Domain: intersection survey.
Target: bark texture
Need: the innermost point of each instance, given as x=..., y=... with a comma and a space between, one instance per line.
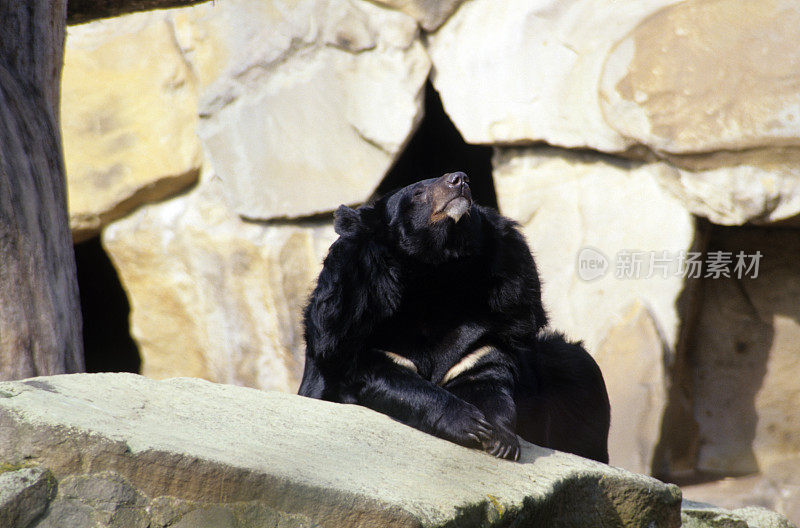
x=40, y=321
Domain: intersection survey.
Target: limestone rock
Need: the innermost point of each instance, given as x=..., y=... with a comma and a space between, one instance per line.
x=732, y=188
x=633, y=360
x=681, y=77
x=746, y=338
x=215, y=297
x=703, y=76
x=104, y=499
x=24, y=495
x=310, y=114
x=763, y=518
x=700, y=515
x=129, y=114
x=778, y=489
x=340, y=465
x=521, y=71
x=579, y=210
x=429, y=13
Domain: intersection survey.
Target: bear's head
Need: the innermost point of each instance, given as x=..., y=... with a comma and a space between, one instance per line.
x=432, y=220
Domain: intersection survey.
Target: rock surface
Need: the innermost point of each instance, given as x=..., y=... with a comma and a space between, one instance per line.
x=577, y=208
x=779, y=491
x=311, y=114
x=748, y=332
x=24, y=495
x=429, y=13
x=633, y=358
x=214, y=297
x=700, y=515
x=546, y=88
x=703, y=76
x=129, y=116
x=691, y=78
x=760, y=186
x=648, y=59
x=107, y=500
x=338, y=465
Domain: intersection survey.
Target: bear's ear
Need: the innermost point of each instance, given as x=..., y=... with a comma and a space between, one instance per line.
x=347, y=222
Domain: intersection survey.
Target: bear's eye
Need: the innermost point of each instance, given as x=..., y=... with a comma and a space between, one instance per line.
x=418, y=193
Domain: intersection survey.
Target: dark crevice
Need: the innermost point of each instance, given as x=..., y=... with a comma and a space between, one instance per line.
x=107, y=342
x=675, y=455
x=80, y=11
x=437, y=148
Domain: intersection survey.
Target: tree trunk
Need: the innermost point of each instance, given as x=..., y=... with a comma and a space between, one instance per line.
x=40, y=322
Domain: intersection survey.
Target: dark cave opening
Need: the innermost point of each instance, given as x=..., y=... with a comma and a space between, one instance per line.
x=436, y=148
x=107, y=342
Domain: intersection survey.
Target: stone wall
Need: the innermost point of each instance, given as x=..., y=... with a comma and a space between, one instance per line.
x=208, y=145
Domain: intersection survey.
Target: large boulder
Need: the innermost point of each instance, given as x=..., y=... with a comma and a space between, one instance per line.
x=310, y=114
x=679, y=77
x=295, y=120
x=759, y=186
x=529, y=71
x=24, y=495
x=692, y=82
x=129, y=118
x=704, y=76
x=338, y=465
x=213, y=296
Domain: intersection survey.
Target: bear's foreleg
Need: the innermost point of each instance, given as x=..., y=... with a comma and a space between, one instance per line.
x=392, y=386
x=486, y=378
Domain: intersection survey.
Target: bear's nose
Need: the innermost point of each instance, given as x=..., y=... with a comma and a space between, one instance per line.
x=455, y=179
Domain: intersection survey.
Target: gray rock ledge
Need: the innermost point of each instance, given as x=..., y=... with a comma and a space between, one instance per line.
x=336, y=465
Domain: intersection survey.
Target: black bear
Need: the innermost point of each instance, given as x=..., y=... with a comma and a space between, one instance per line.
x=428, y=309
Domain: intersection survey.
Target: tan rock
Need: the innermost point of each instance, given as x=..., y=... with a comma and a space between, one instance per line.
x=521, y=71
x=129, y=114
x=681, y=77
x=429, y=13
x=214, y=297
x=758, y=186
x=579, y=209
x=744, y=353
x=633, y=360
x=702, y=76
x=310, y=114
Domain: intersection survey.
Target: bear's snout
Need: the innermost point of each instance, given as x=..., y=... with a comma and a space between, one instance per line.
x=453, y=185
x=451, y=197
x=456, y=179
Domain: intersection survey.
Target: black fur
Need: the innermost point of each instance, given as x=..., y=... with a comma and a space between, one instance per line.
x=411, y=276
